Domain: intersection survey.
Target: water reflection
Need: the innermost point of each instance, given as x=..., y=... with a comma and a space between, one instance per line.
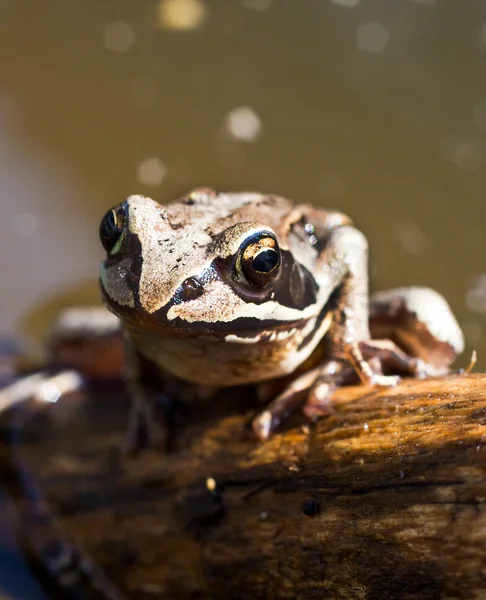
x=118, y=36
x=372, y=37
x=151, y=172
x=180, y=14
x=243, y=124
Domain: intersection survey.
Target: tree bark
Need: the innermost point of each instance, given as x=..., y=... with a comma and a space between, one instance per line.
x=383, y=498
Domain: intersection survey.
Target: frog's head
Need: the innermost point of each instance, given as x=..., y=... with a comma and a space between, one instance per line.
x=209, y=264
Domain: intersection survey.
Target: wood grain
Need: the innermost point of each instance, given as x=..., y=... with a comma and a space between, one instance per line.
x=383, y=498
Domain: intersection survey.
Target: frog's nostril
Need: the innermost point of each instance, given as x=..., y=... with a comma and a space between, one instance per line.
x=191, y=289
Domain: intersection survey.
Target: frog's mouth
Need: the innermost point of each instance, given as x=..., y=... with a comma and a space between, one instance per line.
x=302, y=332
x=241, y=330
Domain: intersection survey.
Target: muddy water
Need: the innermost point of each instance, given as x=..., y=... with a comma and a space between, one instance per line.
x=375, y=108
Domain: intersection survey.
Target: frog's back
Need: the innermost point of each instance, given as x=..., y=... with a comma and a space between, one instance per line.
x=214, y=212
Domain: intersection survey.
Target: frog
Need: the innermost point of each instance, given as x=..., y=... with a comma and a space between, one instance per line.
x=220, y=289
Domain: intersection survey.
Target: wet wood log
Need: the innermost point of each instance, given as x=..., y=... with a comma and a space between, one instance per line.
x=383, y=498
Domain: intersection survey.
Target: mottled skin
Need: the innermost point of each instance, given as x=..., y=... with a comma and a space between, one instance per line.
x=183, y=279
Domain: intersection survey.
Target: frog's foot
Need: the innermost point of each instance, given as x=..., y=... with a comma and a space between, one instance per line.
x=371, y=358
x=313, y=387
x=366, y=362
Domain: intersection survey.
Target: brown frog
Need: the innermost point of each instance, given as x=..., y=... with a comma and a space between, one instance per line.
x=222, y=289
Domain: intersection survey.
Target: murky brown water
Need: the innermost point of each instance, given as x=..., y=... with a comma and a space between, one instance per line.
x=377, y=108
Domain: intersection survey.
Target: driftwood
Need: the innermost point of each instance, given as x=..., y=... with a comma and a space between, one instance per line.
x=383, y=498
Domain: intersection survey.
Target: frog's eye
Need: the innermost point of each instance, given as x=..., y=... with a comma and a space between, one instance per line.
x=259, y=259
x=112, y=229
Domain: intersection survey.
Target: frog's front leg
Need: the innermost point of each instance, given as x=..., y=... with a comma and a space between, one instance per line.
x=313, y=388
x=145, y=429
x=411, y=339
x=342, y=276
x=414, y=332
x=343, y=280
x=158, y=403
x=345, y=268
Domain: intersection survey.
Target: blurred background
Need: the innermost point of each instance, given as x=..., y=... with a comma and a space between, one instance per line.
x=377, y=108
x=373, y=107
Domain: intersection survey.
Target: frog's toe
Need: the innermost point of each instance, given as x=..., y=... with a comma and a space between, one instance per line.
x=319, y=400
x=379, y=380
x=263, y=425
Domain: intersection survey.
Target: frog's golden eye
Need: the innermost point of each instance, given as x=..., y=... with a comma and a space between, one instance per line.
x=112, y=229
x=259, y=259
